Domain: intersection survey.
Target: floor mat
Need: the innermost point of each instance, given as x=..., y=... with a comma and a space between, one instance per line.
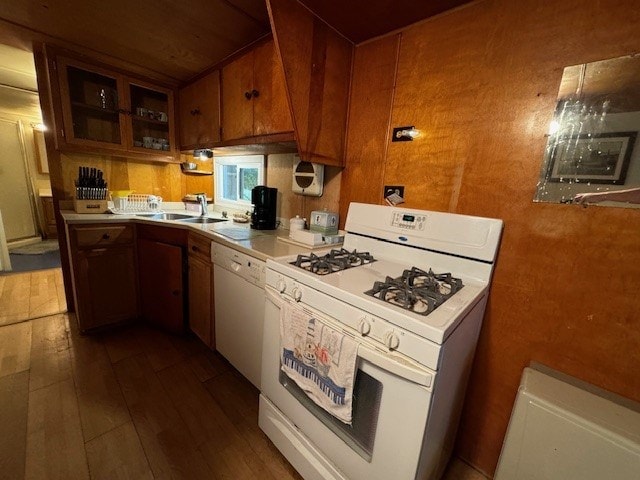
x=39, y=248
x=28, y=263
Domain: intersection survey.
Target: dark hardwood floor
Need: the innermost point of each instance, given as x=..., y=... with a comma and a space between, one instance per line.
x=133, y=403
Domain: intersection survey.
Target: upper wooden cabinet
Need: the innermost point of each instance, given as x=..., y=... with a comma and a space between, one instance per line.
x=104, y=111
x=254, y=99
x=317, y=70
x=199, y=112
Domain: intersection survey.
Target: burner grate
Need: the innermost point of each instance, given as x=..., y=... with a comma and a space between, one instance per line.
x=334, y=261
x=417, y=290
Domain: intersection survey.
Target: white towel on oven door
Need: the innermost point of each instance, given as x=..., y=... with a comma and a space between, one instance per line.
x=319, y=359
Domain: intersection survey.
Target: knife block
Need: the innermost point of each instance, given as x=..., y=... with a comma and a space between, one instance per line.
x=90, y=206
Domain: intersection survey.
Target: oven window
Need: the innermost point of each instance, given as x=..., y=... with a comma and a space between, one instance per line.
x=360, y=436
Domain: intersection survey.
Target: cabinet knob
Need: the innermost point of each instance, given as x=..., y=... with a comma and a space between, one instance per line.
x=255, y=93
x=194, y=248
x=248, y=95
x=195, y=111
x=106, y=236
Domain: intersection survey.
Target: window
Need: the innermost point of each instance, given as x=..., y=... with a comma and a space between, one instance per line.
x=235, y=177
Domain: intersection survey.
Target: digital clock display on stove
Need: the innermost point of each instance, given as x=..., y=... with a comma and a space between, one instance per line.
x=409, y=221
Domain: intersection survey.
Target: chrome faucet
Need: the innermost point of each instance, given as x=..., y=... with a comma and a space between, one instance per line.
x=202, y=198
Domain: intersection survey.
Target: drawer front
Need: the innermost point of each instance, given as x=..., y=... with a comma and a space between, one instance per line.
x=200, y=246
x=96, y=236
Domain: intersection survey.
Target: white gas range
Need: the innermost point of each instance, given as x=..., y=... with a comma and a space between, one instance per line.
x=410, y=287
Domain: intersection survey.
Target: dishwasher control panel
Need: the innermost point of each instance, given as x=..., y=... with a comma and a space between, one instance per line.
x=243, y=265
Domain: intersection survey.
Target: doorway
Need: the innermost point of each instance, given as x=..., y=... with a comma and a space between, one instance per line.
x=23, y=167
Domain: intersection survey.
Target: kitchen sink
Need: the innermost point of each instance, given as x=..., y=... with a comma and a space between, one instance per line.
x=202, y=220
x=166, y=216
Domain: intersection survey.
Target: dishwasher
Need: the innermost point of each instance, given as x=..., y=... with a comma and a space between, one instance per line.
x=238, y=286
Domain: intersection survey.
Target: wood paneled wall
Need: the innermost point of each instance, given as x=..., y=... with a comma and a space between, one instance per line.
x=167, y=180
x=481, y=84
x=371, y=100
x=280, y=176
x=164, y=179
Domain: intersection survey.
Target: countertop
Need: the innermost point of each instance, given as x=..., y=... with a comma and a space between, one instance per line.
x=260, y=244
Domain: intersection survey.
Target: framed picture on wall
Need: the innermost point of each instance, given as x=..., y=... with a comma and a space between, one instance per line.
x=593, y=158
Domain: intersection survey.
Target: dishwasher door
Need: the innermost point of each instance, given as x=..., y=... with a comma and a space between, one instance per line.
x=239, y=310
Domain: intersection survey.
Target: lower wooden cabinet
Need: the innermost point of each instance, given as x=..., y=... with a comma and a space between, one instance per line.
x=201, y=316
x=103, y=260
x=162, y=289
x=119, y=275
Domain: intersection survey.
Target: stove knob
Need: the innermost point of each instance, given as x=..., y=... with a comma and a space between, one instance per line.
x=391, y=340
x=281, y=286
x=297, y=294
x=364, y=327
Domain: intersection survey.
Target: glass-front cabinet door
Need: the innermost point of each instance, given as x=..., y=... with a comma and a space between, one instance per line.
x=91, y=107
x=151, y=115
x=110, y=111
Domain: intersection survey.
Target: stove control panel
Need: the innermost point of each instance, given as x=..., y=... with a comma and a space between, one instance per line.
x=361, y=324
x=391, y=340
x=409, y=221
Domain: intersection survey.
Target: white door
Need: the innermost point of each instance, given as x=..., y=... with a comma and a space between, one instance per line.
x=15, y=192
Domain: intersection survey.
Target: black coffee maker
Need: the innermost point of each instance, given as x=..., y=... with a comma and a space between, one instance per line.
x=264, y=207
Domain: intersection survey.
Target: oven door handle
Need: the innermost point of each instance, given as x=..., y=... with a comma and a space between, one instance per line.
x=397, y=365
x=392, y=363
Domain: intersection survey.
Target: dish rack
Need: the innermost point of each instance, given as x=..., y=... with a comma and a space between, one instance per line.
x=136, y=203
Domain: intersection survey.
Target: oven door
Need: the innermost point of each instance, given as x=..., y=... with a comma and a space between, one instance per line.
x=391, y=404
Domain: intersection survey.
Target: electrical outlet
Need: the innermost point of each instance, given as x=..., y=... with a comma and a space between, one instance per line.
x=394, y=194
x=391, y=189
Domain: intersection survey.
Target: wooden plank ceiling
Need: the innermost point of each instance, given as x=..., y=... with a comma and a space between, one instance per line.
x=176, y=40
x=360, y=20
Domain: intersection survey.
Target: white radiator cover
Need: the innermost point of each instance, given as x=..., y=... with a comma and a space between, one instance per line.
x=564, y=429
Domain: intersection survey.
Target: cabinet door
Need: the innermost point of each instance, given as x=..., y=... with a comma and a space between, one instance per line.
x=151, y=118
x=237, y=105
x=92, y=108
x=106, y=286
x=199, y=112
x=271, y=112
x=200, y=299
x=160, y=270
x=317, y=69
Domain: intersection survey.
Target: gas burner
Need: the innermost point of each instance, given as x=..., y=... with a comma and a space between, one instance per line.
x=416, y=290
x=334, y=261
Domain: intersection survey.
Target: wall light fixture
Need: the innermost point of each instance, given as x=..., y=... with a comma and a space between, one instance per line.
x=203, y=153
x=405, y=134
